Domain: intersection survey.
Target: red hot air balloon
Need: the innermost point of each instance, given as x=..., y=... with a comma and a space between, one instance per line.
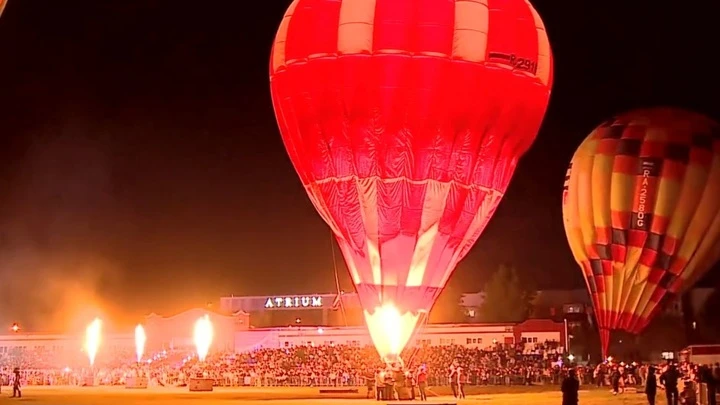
x=405, y=120
x=2, y=6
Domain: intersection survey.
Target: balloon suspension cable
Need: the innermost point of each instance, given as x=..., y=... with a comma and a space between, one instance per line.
x=421, y=326
x=337, y=278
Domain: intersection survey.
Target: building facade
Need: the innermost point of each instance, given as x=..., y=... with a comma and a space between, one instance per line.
x=232, y=334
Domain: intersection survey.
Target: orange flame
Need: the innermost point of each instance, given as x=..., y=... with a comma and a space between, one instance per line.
x=140, y=339
x=92, y=339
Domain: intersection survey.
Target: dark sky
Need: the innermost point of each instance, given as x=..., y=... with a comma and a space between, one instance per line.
x=141, y=168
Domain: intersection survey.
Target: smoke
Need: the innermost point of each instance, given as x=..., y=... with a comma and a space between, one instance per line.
x=57, y=231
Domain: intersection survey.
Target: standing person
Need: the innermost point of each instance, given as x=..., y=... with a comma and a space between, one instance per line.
x=389, y=385
x=570, y=387
x=615, y=381
x=462, y=380
x=370, y=384
x=16, y=384
x=651, y=385
x=410, y=382
x=422, y=383
x=380, y=385
x=453, y=380
x=710, y=378
x=669, y=379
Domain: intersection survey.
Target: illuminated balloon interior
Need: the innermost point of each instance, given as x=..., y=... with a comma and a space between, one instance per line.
x=203, y=336
x=390, y=331
x=140, y=339
x=93, y=337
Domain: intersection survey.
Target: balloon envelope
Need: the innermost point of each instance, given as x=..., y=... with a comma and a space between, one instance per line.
x=2, y=6
x=641, y=207
x=405, y=120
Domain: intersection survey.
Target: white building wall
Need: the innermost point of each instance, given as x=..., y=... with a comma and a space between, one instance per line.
x=436, y=335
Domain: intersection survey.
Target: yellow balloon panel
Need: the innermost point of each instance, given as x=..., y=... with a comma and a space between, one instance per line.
x=641, y=207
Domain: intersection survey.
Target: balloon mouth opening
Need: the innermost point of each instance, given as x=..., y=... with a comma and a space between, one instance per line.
x=390, y=330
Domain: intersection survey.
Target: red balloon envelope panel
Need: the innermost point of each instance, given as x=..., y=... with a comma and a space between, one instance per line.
x=2, y=6
x=405, y=120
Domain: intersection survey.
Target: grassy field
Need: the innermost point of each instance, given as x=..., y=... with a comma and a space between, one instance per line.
x=296, y=396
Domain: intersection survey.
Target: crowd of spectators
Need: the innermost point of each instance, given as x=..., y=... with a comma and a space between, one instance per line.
x=332, y=365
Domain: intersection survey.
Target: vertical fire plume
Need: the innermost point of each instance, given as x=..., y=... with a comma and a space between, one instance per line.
x=203, y=336
x=92, y=339
x=140, y=339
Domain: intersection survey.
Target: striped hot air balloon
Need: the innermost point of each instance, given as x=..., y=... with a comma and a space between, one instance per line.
x=641, y=207
x=405, y=120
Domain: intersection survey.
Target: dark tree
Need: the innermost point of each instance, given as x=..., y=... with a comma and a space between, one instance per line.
x=505, y=298
x=447, y=308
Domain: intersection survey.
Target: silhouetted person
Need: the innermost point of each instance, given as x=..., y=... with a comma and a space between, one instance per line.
x=453, y=380
x=711, y=382
x=570, y=387
x=615, y=380
x=669, y=379
x=651, y=385
x=16, y=384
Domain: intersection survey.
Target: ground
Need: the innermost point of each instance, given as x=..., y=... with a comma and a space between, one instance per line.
x=297, y=396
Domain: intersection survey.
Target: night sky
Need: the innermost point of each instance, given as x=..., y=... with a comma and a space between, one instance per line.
x=141, y=168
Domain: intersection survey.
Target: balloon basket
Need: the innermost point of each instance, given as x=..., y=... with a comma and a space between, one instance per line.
x=136, y=382
x=200, y=384
x=404, y=393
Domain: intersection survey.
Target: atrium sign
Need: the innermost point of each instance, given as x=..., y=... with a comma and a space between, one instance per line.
x=294, y=302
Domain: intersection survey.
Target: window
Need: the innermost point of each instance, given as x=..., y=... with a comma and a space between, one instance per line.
x=469, y=341
x=423, y=342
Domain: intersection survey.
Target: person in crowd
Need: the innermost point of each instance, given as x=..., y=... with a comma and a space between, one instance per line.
x=369, y=384
x=669, y=380
x=651, y=385
x=711, y=380
x=570, y=388
x=422, y=382
x=389, y=385
x=410, y=382
x=16, y=384
x=453, y=377
x=615, y=377
x=462, y=380
x=380, y=384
